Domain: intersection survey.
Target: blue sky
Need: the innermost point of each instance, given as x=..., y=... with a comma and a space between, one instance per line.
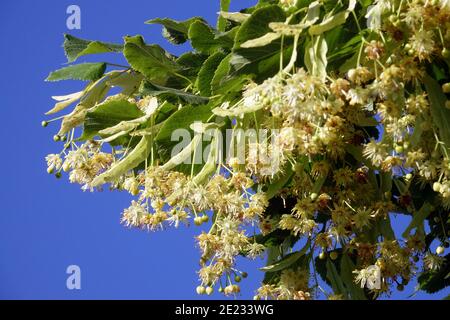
x=48, y=224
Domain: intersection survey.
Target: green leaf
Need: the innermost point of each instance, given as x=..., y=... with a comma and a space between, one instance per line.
x=259, y=62
x=174, y=31
x=183, y=118
x=385, y=182
x=131, y=161
x=225, y=83
x=418, y=218
x=152, y=89
x=439, y=113
x=108, y=114
x=385, y=228
x=83, y=71
x=363, y=121
x=203, y=38
x=226, y=39
x=417, y=133
x=332, y=22
x=347, y=276
x=257, y=25
x=348, y=48
x=287, y=261
x=321, y=268
x=150, y=60
x=221, y=73
x=221, y=21
x=164, y=111
x=336, y=282
x=191, y=62
x=319, y=183
x=275, y=186
x=206, y=73
x=349, y=63
x=355, y=151
x=401, y=186
x=75, y=47
x=434, y=281
x=329, y=23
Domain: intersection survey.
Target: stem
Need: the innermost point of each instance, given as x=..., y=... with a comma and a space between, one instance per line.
x=117, y=65
x=358, y=62
x=183, y=77
x=281, y=52
x=293, y=56
x=356, y=20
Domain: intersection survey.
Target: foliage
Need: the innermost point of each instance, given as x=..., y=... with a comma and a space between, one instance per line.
x=352, y=99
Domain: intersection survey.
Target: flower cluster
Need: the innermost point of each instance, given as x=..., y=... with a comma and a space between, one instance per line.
x=334, y=149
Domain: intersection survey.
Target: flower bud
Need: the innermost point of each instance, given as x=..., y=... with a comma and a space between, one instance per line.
x=445, y=53
x=333, y=255
x=66, y=166
x=209, y=290
x=447, y=104
x=436, y=186
x=399, y=149
x=200, y=290
x=446, y=87
x=198, y=221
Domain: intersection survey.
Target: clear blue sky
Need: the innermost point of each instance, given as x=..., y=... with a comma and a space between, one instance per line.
x=48, y=224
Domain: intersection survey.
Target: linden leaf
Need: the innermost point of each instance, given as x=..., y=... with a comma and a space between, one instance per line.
x=418, y=218
x=152, y=89
x=221, y=21
x=288, y=260
x=150, y=60
x=109, y=114
x=174, y=31
x=203, y=38
x=333, y=21
x=75, y=47
x=83, y=71
x=206, y=73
